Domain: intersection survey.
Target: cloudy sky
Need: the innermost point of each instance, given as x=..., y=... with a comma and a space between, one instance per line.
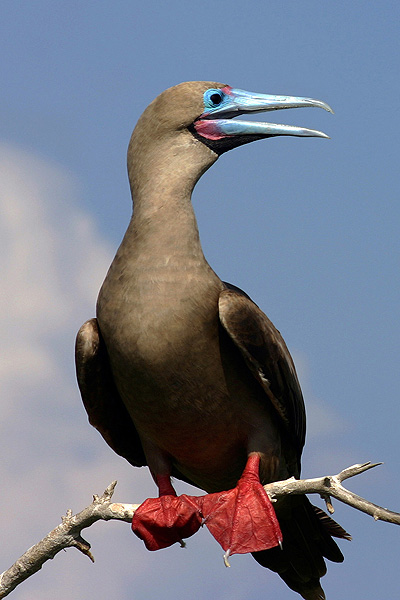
x=308, y=227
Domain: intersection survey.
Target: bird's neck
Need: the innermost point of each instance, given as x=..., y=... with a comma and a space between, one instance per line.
x=163, y=228
x=163, y=225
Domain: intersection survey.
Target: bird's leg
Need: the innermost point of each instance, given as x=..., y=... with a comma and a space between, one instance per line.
x=242, y=519
x=165, y=487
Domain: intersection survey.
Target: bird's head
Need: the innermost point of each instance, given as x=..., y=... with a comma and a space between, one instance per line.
x=200, y=111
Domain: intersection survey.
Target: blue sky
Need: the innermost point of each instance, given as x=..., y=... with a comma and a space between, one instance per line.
x=308, y=227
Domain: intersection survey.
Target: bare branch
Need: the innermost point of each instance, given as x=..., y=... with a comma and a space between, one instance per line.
x=65, y=535
x=331, y=485
x=68, y=533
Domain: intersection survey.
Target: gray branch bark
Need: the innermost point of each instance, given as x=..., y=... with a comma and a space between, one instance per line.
x=68, y=533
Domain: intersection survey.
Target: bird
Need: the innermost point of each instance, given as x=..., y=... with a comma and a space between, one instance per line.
x=183, y=372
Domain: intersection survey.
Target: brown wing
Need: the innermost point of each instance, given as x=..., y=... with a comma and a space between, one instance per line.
x=102, y=402
x=267, y=356
x=306, y=530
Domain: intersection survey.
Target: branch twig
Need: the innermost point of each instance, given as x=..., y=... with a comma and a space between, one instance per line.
x=68, y=533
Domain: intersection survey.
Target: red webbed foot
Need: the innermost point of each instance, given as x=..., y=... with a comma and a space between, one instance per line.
x=242, y=519
x=160, y=522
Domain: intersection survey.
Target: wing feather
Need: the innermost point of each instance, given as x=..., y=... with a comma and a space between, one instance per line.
x=103, y=404
x=267, y=356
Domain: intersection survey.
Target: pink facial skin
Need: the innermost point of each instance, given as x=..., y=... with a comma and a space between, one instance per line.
x=209, y=129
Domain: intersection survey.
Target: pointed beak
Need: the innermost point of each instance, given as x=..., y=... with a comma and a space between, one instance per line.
x=215, y=123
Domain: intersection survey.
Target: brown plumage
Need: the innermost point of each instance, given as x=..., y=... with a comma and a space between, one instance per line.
x=181, y=371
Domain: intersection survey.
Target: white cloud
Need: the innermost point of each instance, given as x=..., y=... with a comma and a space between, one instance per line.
x=47, y=243
x=52, y=263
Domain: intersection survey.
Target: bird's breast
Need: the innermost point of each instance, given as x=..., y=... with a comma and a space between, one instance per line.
x=161, y=330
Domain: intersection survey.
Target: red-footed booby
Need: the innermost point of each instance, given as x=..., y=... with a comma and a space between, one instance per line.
x=183, y=372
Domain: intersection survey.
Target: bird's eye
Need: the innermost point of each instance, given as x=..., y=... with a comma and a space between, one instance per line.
x=213, y=98
x=216, y=99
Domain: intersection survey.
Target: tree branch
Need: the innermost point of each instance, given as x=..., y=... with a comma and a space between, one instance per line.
x=331, y=485
x=68, y=533
x=65, y=535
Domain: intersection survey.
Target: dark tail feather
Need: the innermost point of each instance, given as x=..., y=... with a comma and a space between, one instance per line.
x=307, y=540
x=330, y=525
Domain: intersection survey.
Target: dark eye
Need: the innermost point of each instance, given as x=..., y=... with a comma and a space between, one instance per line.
x=213, y=98
x=216, y=99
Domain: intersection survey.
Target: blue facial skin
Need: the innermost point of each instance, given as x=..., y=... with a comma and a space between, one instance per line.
x=215, y=98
